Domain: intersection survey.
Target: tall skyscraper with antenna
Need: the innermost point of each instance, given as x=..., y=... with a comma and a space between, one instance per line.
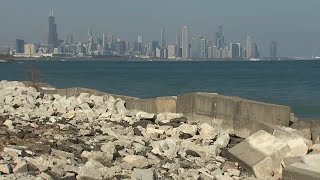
x=53, y=41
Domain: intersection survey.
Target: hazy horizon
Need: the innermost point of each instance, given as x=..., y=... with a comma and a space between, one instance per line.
x=292, y=23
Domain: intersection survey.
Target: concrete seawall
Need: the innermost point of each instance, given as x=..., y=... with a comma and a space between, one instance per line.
x=241, y=116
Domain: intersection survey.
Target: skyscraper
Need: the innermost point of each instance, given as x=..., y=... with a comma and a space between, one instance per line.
x=19, y=46
x=252, y=51
x=196, y=47
x=163, y=39
x=53, y=41
x=178, y=46
x=204, y=49
x=273, y=49
x=235, y=50
x=140, y=40
x=90, y=42
x=219, y=38
x=185, y=43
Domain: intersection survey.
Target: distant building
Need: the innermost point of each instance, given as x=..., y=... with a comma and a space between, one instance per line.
x=158, y=52
x=90, y=46
x=178, y=46
x=30, y=49
x=19, y=46
x=220, y=44
x=172, y=51
x=140, y=41
x=204, y=49
x=185, y=43
x=121, y=47
x=196, y=47
x=235, y=50
x=53, y=40
x=210, y=52
x=273, y=49
x=163, y=39
x=252, y=51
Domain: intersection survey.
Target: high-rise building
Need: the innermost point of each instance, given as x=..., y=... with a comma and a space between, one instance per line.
x=219, y=38
x=178, y=46
x=19, y=46
x=172, y=53
x=163, y=39
x=252, y=51
x=210, y=52
x=235, y=50
x=30, y=49
x=104, y=43
x=204, y=49
x=196, y=47
x=273, y=49
x=185, y=43
x=110, y=42
x=140, y=41
x=249, y=47
x=53, y=41
x=90, y=47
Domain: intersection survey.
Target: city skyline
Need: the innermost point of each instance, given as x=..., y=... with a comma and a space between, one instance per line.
x=266, y=21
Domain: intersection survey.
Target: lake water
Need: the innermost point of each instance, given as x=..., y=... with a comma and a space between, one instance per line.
x=292, y=83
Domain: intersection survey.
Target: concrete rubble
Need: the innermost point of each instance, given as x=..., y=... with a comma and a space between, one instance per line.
x=87, y=137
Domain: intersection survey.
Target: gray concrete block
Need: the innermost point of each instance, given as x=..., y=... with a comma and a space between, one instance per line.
x=261, y=154
x=306, y=168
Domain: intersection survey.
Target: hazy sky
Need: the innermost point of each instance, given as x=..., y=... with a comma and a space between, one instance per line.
x=293, y=23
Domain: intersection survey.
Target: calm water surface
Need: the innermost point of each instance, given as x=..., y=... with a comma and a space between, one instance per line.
x=292, y=83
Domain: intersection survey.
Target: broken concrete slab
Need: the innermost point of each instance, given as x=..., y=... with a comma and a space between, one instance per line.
x=307, y=168
x=261, y=154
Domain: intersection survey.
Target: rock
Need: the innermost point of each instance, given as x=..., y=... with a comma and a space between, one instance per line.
x=316, y=148
x=14, y=151
x=88, y=173
x=136, y=161
x=143, y=174
x=103, y=157
x=167, y=117
x=86, y=132
x=298, y=144
x=21, y=167
x=222, y=140
x=109, y=147
x=120, y=106
x=145, y=116
x=94, y=164
x=84, y=98
x=234, y=172
x=223, y=177
x=152, y=132
x=98, y=100
x=61, y=154
x=69, y=176
x=307, y=168
x=208, y=132
x=9, y=124
x=167, y=148
x=261, y=154
x=188, y=129
x=109, y=173
x=5, y=168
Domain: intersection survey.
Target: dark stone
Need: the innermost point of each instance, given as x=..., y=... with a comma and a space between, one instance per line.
x=143, y=123
x=192, y=153
x=137, y=132
x=185, y=136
